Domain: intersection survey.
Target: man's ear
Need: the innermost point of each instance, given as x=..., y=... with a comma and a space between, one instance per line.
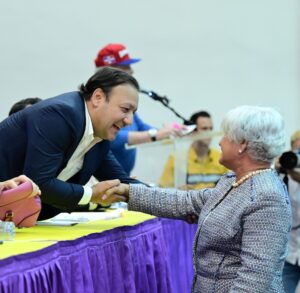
x=97, y=97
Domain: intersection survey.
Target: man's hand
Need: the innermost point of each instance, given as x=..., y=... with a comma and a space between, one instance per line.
x=100, y=188
x=170, y=130
x=115, y=194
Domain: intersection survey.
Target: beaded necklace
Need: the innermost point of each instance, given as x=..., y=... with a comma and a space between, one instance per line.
x=247, y=176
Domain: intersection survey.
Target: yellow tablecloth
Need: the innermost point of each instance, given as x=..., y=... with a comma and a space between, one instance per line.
x=38, y=237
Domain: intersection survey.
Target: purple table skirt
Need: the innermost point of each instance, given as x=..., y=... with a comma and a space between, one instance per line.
x=142, y=258
x=179, y=237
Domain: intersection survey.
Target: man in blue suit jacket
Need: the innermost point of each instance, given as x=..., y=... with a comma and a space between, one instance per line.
x=62, y=141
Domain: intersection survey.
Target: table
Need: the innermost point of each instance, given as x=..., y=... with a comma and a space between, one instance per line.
x=139, y=257
x=179, y=237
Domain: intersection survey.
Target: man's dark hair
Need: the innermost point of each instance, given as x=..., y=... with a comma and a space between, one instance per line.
x=196, y=115
x=106, y=79
x=23, y=104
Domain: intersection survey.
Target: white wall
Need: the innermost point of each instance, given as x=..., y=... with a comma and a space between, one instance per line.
x=210, y=55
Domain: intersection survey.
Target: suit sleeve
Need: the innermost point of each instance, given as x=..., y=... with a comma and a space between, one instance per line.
x=169, y=203
x=50, y=136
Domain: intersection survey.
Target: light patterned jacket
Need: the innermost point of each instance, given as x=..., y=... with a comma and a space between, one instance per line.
x=242, y=235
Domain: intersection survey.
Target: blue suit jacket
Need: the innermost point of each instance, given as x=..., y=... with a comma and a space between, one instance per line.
x=38, y=142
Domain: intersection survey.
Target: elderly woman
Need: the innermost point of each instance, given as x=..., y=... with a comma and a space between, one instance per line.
x=243, y=225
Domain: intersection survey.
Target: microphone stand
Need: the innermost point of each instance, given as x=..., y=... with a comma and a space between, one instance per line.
x=165, y=101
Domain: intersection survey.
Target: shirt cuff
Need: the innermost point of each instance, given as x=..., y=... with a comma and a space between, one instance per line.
x=87, y=195
x=92, y=206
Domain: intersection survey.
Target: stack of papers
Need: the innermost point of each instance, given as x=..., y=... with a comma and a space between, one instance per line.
x=66, y=219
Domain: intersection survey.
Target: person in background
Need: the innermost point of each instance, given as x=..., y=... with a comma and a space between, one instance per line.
x=22, y=104
x=291, y=270
x=203, y=167
x=61, y=142
x=244, y=222
x=116, y=55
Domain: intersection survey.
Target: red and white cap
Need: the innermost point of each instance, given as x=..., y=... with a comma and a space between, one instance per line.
x=114, y=54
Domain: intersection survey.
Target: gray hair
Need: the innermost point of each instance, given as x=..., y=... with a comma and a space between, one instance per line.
x=262, y=128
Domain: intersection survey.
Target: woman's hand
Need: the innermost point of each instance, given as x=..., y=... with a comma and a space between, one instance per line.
x=14, y=182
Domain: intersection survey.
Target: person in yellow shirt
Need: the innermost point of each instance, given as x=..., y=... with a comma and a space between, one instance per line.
x=203, y=169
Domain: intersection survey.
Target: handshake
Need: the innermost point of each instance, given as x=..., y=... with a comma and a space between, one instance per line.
x=109, y=191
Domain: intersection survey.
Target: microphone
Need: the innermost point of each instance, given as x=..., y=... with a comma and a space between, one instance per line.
x=165, y=101
x=155, y=96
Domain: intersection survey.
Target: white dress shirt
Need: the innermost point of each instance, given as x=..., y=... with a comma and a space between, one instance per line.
x=76, y=161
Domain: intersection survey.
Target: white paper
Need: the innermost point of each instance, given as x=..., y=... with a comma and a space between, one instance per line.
x=66, y=219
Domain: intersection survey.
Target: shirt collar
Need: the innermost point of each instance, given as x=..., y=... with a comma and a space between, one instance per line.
x=89, y=131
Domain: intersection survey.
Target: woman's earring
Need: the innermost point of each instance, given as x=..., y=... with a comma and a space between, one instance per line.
x=240, y=151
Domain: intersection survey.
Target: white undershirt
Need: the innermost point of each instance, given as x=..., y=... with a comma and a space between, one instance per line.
x=76, y=161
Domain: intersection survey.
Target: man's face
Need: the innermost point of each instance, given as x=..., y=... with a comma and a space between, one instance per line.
x=204, y=124
x=110, y=115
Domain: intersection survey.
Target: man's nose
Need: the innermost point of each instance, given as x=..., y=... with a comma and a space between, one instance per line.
x=128, y=119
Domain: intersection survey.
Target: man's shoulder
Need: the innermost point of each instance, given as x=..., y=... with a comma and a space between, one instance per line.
x=214, y=158
x=68, y=99
x=214, y=155
x=70, y=104
x=66, y=108
x=214, y=152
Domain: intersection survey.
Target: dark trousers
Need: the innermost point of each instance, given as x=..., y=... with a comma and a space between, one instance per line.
x=290, y=277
